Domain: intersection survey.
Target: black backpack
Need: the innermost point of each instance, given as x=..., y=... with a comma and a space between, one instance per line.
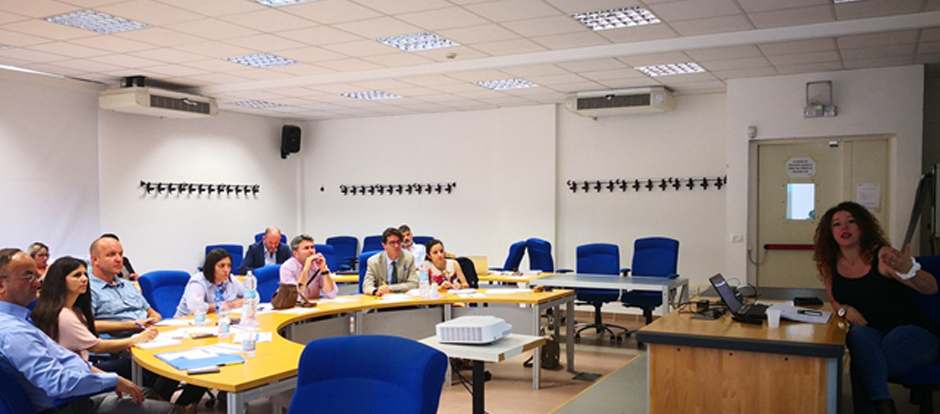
x=551, y=355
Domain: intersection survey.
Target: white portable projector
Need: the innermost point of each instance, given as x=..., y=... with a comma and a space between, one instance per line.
x=473, y=330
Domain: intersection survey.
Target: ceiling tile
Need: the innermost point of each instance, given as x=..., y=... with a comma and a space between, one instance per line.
x=478, y=34
x=877, y=39
x=215, y=49
x=928, y=48
x=88, y=66
x=362, y=48
x=332, y=11
x=270, y=20
x=311, y=54
x=932, y=5
x=349, y=65
x=792, y=17
x=752, y=6
x=614, y=74
x=403, y=6
x=320, y=35
x=876, y=8
x=575, y=6
x=19, y=39
x=440, y=19
x=682, y=79
x=536, y=70
x=430, y=80
x=930, y=35
x=800, y=46
x=70, y=50
x=729, y=64
x=586, y=86
x=215, y=7
x=378, y=27
x=125, y=61
x=42, y=28
x=265, y=43
x=168, y=55
x=32, y=55
x=37, y=8
x=563, y=79
x=213, y=29
x=217, y=79
x=260, y=74
x=509, y=47
x=638, y=33
x=570, y=40
x=546, y=26
x=722, y=53
x=160, y=36
x=176, y=70
x=803, y=58
x=216, y=65
x=457, y=53
x=878, y=62
x=509, y=10
x=809, y=68
x=713, y=25
x=927, y=58
x=475, y=76
x=878, y=52
x=656, y=59
x=694, y=9
x=745, y=73
x=398, y=59
x=381, y=85
x=150, y=12
x=10, y=17
x=302, y=69
x=593, y=65
x=700, y=87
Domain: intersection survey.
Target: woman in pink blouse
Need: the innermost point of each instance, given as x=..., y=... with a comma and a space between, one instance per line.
x=442, y=271
x=63, y=312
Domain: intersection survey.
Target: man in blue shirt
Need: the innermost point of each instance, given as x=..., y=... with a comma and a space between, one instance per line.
x=119, y=309
x=47, y=371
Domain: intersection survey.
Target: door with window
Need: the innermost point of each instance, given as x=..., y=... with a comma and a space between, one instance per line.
x=797, y=182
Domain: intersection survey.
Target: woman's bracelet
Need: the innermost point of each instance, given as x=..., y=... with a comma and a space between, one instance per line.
x=910, y=273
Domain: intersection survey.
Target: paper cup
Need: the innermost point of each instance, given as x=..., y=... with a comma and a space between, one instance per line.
x=773, y=318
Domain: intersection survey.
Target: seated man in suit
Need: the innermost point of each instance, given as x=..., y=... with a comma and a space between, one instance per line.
x=391, y=271
x=46, y=370
x=119, y=308
x=269, y=251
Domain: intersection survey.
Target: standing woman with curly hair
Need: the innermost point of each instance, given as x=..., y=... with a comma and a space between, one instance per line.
x=867, y=281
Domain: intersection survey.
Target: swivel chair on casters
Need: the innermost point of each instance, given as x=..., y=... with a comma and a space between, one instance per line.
x=600, y=259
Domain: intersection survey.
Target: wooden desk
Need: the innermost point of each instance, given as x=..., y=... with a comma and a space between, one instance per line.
x=274, y=369
x=722, y=366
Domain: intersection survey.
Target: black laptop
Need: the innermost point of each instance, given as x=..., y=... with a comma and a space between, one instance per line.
x=734, y=305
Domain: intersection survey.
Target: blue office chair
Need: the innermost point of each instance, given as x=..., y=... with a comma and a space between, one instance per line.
x=422, y=240
x=363, y=265
x=540, y=255
x=163, y=290
x=599, y=259
x=235, y=250
x=329, y=254
x=923, y=381
x=269, y=278
x=14, y=400
x=652, y=256
x=469, y=271
x=410, y=379
x=260, y=235
x=516, y=251
x=370, y=243
x=346, y=248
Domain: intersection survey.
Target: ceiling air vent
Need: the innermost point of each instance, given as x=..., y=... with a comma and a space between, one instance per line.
x=622, y=102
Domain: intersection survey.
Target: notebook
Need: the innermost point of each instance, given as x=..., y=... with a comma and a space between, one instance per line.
x=734, y=305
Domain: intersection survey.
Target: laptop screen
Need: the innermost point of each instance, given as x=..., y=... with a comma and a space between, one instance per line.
x=727, y=294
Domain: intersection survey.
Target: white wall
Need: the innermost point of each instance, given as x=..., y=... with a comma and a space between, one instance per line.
x=171, y=231
x=48, y=161
x=687, y=142
x=503, y=162
x=885, y=101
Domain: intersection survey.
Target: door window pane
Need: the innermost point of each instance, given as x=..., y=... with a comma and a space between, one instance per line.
x=801, y=201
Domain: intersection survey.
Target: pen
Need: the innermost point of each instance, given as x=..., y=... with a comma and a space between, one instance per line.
x=140, y=326
x=809, y=312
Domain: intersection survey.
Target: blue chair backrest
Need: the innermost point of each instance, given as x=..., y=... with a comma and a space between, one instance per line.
x=235, y=250
x=13, y=398
x=540, y=255
x=364, y=265
x=655, y=256
x=410, y=381
x=516, y=251
x=930, y=303
x=345, y=247
x=422, y=240
x=598, y=258
x=269, y=278
x=163, y=290
x=329, y=254
x=260, y=235
x=370, y=243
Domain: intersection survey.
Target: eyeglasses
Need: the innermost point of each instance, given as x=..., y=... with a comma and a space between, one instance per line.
x=29, y=277
x=393, y=242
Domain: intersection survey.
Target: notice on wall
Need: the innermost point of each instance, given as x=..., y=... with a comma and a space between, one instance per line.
x=869, y=195
x=801, y=167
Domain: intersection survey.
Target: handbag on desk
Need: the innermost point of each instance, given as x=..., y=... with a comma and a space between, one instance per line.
x=286, y=298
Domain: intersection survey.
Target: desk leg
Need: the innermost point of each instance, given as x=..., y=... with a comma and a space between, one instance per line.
x=667, y=303
x=569, y=334
x=137, y=373
x=236, y=403
x=478, y=384
x=357, y=323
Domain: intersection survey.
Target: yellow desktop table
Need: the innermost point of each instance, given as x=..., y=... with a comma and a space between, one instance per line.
x=723, y=366
x=274, y=369
x=522, y=279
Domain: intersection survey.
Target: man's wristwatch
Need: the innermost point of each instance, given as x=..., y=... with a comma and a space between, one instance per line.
x=842, y=310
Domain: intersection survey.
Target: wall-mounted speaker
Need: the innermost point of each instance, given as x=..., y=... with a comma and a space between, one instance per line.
x=290, y=140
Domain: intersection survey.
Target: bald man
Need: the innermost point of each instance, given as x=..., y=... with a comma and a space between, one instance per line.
x=269, y=251
x=44, y=369
x=119, y=309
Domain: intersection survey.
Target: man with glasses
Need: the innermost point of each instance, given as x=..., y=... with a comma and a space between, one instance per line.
x=44, y=369
x=119, y=309
x=393, y=271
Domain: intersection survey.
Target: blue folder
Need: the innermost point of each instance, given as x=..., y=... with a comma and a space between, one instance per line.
x=217, y=361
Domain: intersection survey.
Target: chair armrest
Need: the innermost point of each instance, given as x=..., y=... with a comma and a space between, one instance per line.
x=673, y=276
x=564, y=271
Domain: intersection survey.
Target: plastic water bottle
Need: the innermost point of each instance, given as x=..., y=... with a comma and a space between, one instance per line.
x=249, y=344
x=250, y=306
x=225, y=324
x=424, y=285
x=199, y=313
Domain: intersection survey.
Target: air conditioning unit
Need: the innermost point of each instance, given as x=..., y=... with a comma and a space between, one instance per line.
x=622, y=102
x=157, y=102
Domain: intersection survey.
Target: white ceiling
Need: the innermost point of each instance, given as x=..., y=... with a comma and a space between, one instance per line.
x=535, y=40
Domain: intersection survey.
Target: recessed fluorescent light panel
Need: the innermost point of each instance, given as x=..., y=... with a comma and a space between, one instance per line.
x=256, y=104
x=370, y=95
x=504, y=84
x=261, y=60
x=616, y=18
x=96, y=22
x=279, y=3
x=671, y=69
x=417, y=42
